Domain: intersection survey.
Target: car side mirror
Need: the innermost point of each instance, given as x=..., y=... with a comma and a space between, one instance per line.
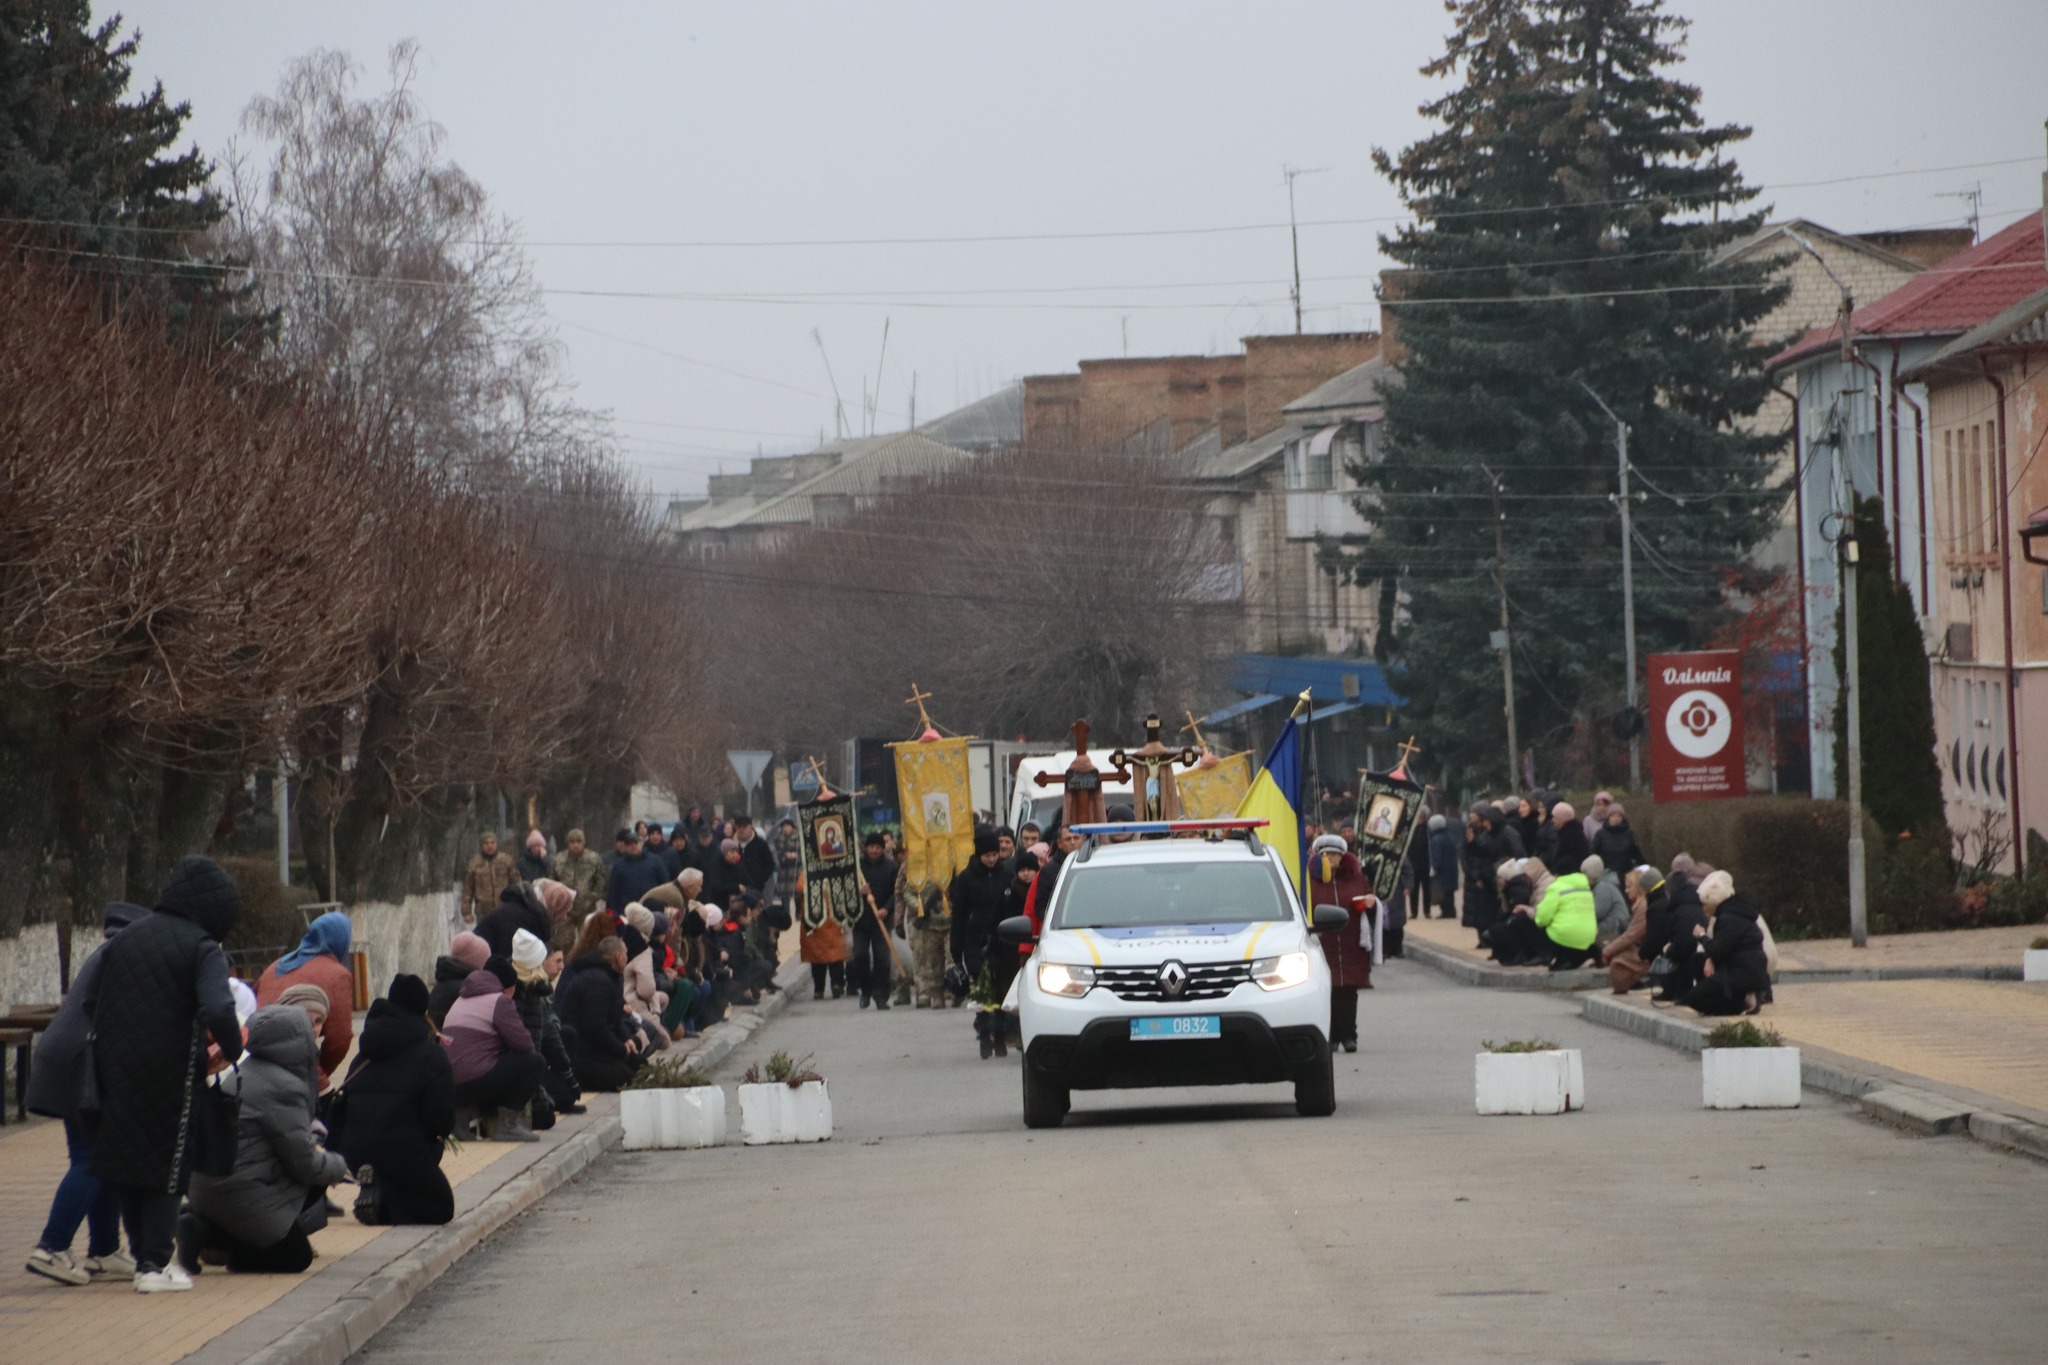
x=1328, y=919
x=1017, y=930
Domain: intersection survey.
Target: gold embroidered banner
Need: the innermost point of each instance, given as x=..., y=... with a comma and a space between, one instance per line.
x=937, y=806
x=1214, y=793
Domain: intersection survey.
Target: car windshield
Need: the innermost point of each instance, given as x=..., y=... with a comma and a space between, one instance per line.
x=1169, y=893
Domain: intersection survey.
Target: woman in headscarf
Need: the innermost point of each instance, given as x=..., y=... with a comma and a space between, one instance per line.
x=1735, y=971
x=1335, y=878
x=644, y=999
x=321, y=959
x=1649, y=912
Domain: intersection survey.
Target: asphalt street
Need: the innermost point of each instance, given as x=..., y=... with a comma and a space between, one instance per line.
x=1214, y=1225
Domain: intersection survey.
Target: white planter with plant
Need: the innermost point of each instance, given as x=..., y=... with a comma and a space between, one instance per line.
x=1529, y=1077
x=784, y=1101
x=670, y=1104
x=1745, y=1067
x=2034, y=961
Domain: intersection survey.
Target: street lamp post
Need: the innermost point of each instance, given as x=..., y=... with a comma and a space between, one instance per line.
x=1628, y=586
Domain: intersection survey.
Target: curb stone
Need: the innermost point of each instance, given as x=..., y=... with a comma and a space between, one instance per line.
x=1474, y=971
x=1917, y=1111
x=336, y=1332
x=1879, y=1096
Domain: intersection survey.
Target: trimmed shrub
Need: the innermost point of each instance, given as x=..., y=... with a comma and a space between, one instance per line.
x=272, y=917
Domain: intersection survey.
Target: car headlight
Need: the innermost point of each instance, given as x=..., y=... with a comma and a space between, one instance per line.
x=1057, y=978
x=1278, y=973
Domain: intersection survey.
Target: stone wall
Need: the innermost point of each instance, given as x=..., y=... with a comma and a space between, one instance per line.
x=405, y=937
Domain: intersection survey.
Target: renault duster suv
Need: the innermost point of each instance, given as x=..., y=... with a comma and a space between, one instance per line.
x=1174, y=962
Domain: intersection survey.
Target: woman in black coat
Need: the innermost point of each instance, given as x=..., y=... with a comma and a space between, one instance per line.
x=398, y=1111
x=592, y=1006
x=1615, y=842
x=1735, y=972
x=162, y=989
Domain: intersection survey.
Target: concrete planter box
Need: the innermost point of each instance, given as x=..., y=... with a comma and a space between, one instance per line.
x=775, y=1112
x=1749, y=1077
x=684, y=1117
x=1530, y=1082
x=2034, y=965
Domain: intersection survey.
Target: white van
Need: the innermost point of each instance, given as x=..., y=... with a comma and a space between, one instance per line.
x=1040, y=801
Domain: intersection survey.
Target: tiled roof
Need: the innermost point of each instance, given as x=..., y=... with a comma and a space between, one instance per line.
x=2023, y=324
x=1950, y=299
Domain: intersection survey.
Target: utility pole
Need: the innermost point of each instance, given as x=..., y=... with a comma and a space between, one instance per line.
x=1628, y=587
x=1294, y=234
x=1852, y=664
x=1502, y=641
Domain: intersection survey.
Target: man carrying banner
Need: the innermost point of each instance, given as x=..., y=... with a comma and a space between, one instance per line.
x=870, y=968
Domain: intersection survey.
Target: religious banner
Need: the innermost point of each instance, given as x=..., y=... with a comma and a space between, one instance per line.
x=938, y=807
x=1389, y=804
x=1696, y=742
x=1214, y=791
x=831, y=864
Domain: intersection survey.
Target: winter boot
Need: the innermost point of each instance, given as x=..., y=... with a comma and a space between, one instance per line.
x=465, y=1123
x=369, y=1209
x=512, y=1127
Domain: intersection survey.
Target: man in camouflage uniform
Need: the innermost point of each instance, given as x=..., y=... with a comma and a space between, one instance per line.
x=490, y=872
x=931, y=935
x=580, y=869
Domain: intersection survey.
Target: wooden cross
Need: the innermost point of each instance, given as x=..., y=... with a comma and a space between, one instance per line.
x=825, y=792
x=1408, y=749
x=918, y=699
x=1194, y=727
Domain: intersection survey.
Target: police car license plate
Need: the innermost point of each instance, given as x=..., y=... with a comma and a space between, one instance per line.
x=1177, y=1026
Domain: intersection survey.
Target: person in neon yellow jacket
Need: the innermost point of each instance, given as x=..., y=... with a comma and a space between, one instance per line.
x=1558, y=931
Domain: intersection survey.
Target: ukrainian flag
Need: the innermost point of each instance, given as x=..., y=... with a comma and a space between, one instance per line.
x=1275, y=797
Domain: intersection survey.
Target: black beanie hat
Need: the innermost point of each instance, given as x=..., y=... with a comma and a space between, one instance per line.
x=499, y=967
x=984, y=840
x=408, y=993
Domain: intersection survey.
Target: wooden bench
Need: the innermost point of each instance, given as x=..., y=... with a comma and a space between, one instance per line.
x=21, y=1036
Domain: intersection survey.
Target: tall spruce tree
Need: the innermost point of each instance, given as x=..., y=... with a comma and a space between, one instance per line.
x=1901, y=772
x=90, y=176
x=1567, y=215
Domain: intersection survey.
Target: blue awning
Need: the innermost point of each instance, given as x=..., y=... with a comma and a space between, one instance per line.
x=1329, y=682
x=1238, y=708
x=1325, y=712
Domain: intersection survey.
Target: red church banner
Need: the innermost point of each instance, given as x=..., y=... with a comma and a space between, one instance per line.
x=1695, y=719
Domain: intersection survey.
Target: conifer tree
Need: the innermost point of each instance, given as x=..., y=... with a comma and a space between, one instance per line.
x=1901, y=773
x=90, y=175
x=1568, y=210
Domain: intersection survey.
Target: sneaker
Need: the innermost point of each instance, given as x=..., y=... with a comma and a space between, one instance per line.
x=58, y=1266
x=115, y=1264
x=172, y=1280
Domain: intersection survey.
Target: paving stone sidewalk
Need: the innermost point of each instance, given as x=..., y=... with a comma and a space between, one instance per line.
x=1988, y=1038
x=227, y=1318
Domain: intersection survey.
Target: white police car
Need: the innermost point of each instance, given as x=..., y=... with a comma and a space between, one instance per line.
x=1174, y=962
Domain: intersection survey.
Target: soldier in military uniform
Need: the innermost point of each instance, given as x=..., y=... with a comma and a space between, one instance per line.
x=931, y=935
x=580, y=869
x=489, y=872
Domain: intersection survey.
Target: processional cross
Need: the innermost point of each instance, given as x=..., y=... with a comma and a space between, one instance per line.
x=1153, y=761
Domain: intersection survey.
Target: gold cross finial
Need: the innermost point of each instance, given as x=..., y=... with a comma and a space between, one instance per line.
x=1194, y=727
x=825, y=791
x=1408, y=749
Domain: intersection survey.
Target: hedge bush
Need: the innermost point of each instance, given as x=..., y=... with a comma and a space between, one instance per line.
x=271, y=916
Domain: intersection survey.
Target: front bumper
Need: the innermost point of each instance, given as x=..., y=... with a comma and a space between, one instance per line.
x=1103, y=1057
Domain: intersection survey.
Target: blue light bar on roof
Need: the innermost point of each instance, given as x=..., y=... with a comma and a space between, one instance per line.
x=1165, y=826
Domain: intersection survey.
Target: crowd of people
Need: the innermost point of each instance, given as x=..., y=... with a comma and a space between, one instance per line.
x=1542, y=885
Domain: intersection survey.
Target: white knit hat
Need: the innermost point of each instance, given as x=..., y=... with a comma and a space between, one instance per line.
x=528, y=951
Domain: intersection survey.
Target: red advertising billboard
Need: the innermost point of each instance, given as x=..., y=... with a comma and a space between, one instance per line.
x=1695, y=718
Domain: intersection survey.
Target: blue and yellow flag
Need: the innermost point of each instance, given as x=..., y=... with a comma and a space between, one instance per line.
x=1275, y=797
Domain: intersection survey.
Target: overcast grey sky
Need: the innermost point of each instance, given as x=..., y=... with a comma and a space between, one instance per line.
x=597, y=124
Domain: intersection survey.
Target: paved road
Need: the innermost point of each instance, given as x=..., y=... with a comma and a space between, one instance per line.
x=934, y=1227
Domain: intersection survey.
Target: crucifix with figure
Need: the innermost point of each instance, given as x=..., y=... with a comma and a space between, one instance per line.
x=1152, y=790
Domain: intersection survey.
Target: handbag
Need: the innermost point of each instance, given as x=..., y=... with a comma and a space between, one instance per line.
x=216, y=1115
x=1660, y=967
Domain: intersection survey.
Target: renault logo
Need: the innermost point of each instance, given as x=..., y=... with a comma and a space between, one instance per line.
x=1173, y=979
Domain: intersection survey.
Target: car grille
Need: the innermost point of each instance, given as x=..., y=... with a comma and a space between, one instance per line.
x=1206, y=981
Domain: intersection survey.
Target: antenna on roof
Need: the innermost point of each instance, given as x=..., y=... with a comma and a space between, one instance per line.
x=875, y=403
x=1975, y=197
x=838, y=407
